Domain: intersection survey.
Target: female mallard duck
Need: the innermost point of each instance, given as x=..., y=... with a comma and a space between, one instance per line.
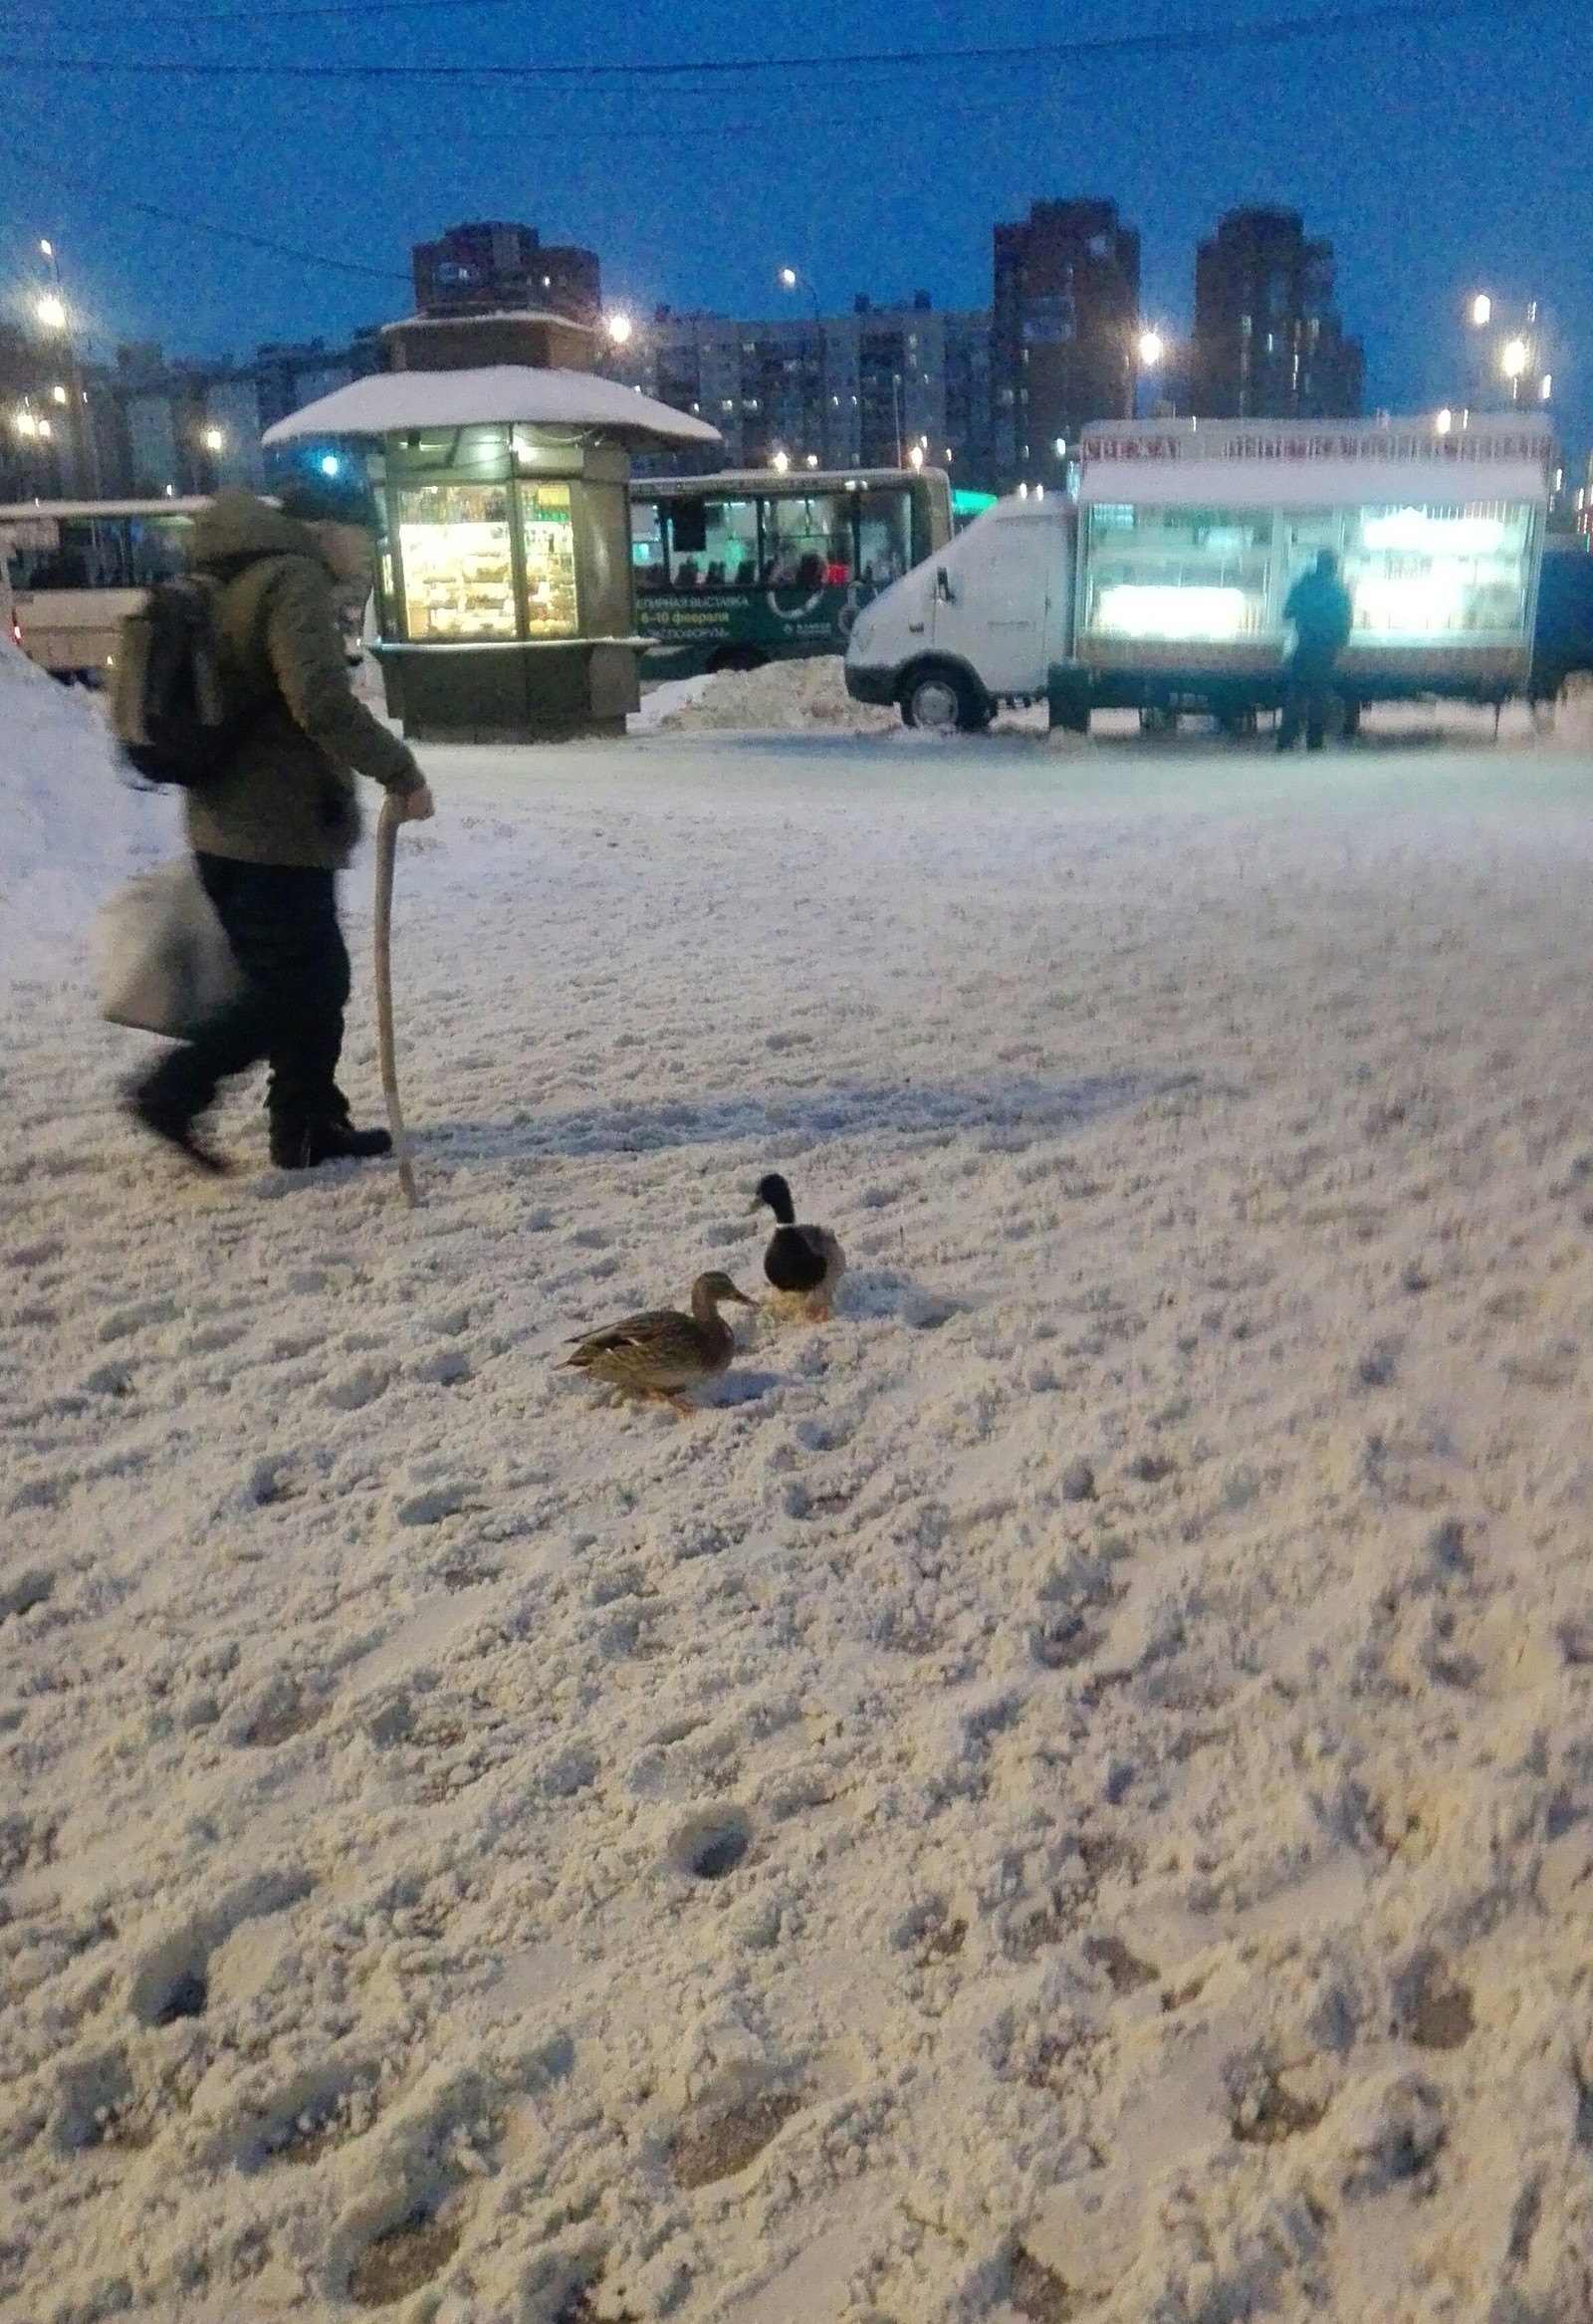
x=803, y=1264
x=661, y=1352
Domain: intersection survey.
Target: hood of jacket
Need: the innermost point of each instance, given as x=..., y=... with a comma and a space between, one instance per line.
x=238, y=525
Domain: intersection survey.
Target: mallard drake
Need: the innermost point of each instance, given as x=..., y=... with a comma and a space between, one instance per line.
x=661, y=1352
x=802, y=1263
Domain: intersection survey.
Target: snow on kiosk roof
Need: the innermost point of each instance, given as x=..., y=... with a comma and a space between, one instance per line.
x=497, y=394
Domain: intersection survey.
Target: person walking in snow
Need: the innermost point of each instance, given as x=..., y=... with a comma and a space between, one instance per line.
x=271, y=832
x=1319, y=607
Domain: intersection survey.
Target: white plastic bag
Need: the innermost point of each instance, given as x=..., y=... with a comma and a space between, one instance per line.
x=164, y=960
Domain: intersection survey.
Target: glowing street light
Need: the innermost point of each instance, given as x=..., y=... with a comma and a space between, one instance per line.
x=57, y=394
x=788, y=278
x=215, y=440
x=1513, y=359
x=52, y=311
x=915, y=458
x=1482, y=311
x=780, y=463
x=25, y=423
x=1547, y=389
x=1152, y=347
x=620, y=329
x=1445, y=421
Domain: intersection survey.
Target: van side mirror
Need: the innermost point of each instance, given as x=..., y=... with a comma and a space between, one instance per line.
x=944, y=592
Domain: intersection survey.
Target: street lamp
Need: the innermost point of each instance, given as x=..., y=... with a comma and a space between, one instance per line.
x=620, y=329
x=790, y=279
x=54, y=314
x=215, y=440
x=1513, y=358
x=780, y=463
x=1152, y=347
x=1482, y=311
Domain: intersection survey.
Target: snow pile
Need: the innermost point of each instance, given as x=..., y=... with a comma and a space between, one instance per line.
x=1066, y=1793
x=662, y=701
x=71, y=827
x=786, y=697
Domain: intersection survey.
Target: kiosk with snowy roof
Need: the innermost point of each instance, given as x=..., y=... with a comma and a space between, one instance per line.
x=505, y=603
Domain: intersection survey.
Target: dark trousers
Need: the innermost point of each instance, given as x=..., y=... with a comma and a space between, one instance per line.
x=1307, y=702
x=282, y=923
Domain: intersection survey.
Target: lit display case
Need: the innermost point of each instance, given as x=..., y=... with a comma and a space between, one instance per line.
x=456, y=550
x=548, y=546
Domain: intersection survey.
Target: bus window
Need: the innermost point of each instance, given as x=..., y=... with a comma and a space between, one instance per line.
x=159, y=547
x=713, y=544
x=885, y=538
x=73, y=552
x=647, y=546
x=807, y=541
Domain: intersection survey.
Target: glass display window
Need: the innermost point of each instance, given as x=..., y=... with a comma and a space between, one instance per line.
x=548, y=545
x=458, y=565
x=1178, y=574
x=806, y=538
x=713, y=544
x=647, y=557
x=884, y=537
x=1457, y=572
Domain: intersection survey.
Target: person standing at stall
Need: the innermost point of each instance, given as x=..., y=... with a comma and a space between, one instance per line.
x=1320, y=609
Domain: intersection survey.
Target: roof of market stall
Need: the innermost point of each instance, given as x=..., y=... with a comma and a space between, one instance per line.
x=495, y=394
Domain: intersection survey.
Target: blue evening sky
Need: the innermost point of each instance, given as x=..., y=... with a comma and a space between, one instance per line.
x=1436, y=156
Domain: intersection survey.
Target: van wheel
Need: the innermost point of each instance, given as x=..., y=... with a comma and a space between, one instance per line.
x=944, y=702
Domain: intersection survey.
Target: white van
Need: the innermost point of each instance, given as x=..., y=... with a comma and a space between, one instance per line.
x=979, y=624
x=1164, y=586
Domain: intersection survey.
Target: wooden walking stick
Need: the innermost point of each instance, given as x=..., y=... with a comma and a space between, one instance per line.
x=387, y=857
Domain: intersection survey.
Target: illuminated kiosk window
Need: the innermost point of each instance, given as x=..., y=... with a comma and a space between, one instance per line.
x=1179, y=575
x=458, y=563
x=547, y=543
x=1418, y=574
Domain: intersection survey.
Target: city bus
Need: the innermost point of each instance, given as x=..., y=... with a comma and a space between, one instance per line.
x=749, y=567
x=73, y=570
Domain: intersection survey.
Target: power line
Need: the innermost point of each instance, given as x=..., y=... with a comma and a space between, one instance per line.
x=1212, y=38
x=203, y=227
x=264, y=18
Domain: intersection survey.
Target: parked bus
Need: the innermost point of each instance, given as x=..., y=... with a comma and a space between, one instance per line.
x=74, y=569
x=747, y=567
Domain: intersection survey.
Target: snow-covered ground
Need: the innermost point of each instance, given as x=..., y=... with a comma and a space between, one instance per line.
x=1066, y=1793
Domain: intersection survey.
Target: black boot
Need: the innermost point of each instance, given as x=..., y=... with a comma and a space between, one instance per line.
x=303, y=1145
x=161, y=1110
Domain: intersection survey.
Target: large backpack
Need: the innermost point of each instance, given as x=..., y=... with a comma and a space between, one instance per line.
x=172, y=716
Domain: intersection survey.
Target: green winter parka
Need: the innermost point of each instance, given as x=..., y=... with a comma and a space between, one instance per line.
x=287, y=793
